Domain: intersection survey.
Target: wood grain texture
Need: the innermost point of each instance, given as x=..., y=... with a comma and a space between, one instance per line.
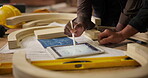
x=45, y=18
x=38, y=16
x=15, y=37
x=141, y=37
x=45, y=22
x=3, y=41
x=23, y=69
x=50, y=33
x=93, y=34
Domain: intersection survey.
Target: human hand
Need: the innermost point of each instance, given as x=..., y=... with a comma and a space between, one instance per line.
x=109, y=36
x=79, y=28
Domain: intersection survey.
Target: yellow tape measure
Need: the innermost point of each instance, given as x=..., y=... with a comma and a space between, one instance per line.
x=77, y=63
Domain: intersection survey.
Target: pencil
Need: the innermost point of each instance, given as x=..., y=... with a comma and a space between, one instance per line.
x=73, y=37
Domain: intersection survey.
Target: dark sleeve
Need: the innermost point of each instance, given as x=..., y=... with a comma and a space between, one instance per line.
x=140, y=21
x=84, y=10
x=131, y=9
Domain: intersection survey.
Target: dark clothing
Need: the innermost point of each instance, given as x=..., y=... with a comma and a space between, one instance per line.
x=140, y=21
x=84, y=12
x=131, y=9
x=108, y=11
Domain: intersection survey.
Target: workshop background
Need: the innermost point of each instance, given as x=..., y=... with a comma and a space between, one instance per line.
x=40, y=6
x=64, y=6
x=51, y=5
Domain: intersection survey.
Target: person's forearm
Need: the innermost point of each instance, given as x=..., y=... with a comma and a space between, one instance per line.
x=131, y=9
x=84, y=10
x=140, y=21
x=128, y=31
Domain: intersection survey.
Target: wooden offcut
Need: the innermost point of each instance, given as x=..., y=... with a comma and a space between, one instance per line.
x=93, y=34
x=15, y=37
x=141, y=36
x=50, y=33
x=38, y=16
x=45, y=22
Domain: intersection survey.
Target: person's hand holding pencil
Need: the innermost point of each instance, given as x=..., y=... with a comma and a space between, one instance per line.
x=78, y=28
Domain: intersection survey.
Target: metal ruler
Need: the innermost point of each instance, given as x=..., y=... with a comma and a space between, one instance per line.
x=77, y=63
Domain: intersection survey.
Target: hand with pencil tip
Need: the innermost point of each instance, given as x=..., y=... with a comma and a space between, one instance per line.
x=78, y=28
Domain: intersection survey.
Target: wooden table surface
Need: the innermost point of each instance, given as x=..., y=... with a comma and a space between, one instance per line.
x=8, y=58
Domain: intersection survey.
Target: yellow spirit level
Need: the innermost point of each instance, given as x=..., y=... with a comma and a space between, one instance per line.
x=77, y=63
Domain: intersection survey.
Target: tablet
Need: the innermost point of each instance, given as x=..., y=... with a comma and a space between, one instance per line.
x=69, y=51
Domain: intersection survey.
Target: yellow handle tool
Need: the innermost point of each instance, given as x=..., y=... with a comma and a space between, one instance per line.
x=77, y=63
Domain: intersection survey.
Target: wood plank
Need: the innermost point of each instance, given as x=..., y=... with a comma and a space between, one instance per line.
x=15, y=37
x=93, y=34
x=50, y=33
x=141, y=37
x=38, y=16
x=3, y=41
x=45, y=22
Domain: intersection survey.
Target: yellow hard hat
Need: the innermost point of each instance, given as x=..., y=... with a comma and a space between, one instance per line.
x=7, y=11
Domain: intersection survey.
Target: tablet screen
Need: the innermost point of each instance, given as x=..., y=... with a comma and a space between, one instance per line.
x=77, y=50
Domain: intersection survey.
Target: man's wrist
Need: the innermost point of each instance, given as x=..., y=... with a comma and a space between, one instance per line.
x=128, y=31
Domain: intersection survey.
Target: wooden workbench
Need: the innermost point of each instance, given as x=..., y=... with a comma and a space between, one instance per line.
x=8, y=58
